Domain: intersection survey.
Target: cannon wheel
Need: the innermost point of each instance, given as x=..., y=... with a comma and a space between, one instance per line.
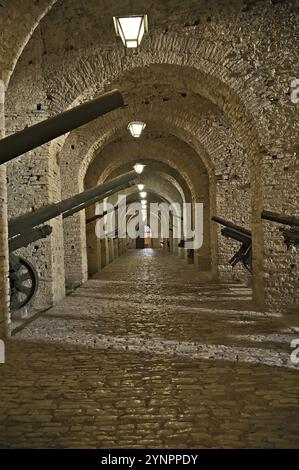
x=23, y=282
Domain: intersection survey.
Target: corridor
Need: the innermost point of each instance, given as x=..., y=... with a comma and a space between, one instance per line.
x=146, y=355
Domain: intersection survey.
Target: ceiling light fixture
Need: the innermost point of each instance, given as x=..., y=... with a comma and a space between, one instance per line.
x=131, y=29
x=138, y=167
x=136, y=128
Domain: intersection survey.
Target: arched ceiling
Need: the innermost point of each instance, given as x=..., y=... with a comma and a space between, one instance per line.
x=168, y=97
x=133, y=196
x=62, y=28
x=158, y=187
x=153, y=167
x=207, y=100
x=27, y=16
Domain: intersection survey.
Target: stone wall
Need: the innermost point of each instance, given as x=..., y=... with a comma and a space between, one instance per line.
x=4, y=292
x=17, y=22
x=34, y=178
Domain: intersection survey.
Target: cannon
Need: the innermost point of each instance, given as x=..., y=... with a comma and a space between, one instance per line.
x=115, y=234
x=22, y=231
x=291, y=236
x=90, y=202
x=100, y=216
x=242, y=235
x=28, y=228
x=45, y=131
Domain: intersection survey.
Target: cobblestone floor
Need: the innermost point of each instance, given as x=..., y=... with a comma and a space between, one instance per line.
x=145, y=355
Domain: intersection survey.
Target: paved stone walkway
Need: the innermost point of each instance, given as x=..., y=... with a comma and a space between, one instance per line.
x=145, y=355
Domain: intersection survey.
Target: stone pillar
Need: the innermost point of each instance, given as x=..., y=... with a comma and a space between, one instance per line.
x=4, y=284
x=201, y=261
x=175, y=248
x=111, y=249
x=93, y=252
x=202, y=256
x=107, y=251
x=281, y=266
x=93, y=243
x=99, y=252
x=165, y=244
x=75, y=250
x=171, y=244
x=115, y=242
x=33, y=179
x=103, y=252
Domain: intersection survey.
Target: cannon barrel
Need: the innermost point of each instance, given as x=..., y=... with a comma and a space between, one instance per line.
x=113, y=234
x=236, y=235
x=26, y=222
x=280, y=219
x=34, y=235
x=31, y=137
x=292, y=235
x=116, y=234
x=100, y=216
x=228, y=224
x=70, y=212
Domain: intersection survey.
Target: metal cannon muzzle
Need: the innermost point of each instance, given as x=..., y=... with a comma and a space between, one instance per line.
x=45, y=131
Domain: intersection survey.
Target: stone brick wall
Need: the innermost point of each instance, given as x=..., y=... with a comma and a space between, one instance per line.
x=18, y=19
x=34, y=178
x=17, y=22
x=4, y=292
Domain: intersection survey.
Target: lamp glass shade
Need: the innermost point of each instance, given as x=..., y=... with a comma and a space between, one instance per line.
x=136, y=128
x=131, y=29
x=139, y=168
